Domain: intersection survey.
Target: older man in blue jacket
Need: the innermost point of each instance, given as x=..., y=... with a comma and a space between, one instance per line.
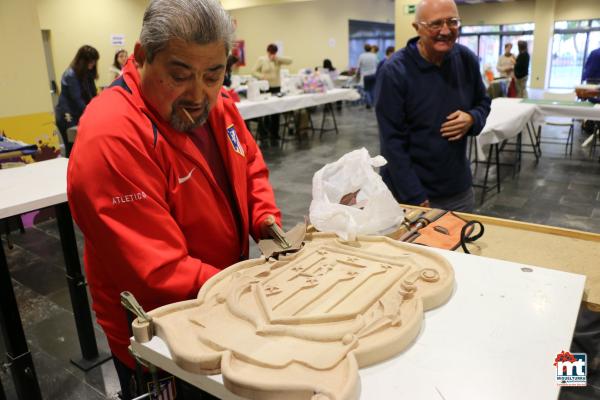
x=430, y=95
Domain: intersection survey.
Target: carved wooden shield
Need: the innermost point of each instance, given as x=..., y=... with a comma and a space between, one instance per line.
x=300, y=327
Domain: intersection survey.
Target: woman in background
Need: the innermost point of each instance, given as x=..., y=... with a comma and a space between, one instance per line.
x=77, y=89
x=268, y=68
x=118, y=63
x=330, y=69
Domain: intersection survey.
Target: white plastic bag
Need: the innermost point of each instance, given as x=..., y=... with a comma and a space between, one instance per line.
x=376, y=211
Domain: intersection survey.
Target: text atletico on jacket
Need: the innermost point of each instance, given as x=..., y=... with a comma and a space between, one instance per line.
x=150, y=208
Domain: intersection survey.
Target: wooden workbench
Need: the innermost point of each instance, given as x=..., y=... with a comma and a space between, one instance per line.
x=545, y=246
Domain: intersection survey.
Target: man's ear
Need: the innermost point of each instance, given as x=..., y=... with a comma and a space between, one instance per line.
x=416, y=26
x=139, y=54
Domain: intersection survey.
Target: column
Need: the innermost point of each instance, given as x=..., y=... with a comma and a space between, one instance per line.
x=542, y=44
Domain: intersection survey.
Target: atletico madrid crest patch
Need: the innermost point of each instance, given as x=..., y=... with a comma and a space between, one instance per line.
x=235, y=141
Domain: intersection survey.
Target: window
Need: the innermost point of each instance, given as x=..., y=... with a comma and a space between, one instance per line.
x=518, y=27
x=489, y=49
x=573, y=42
x=472, y=42
x=480, y=28
x=374, y=33
x=487, y=41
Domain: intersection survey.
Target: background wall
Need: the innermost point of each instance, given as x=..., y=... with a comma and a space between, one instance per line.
x=309, y=31
x=25, y=105
x=73, y=23
x=577, y=9
x=23, y=81
x=515, y=12
x=233, y=4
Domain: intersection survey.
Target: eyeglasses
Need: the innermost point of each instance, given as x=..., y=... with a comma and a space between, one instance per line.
x=438, y=24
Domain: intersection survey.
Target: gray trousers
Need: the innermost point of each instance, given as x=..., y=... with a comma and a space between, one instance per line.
x=521, y=86
x=464, y=202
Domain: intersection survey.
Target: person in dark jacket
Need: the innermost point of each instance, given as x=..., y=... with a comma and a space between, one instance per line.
x=231, y=61
x=77, y=89
x=591, y=75
x=522, y=69
x=388, y=53
x=591, y=70
x=430, y=95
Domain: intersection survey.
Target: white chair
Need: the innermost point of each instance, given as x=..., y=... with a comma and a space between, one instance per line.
x=564, y=122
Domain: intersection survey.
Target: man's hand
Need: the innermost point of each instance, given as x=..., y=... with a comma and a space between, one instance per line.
x=424, y=204
x=270, y=230
x=457, y=125
x=266, y=226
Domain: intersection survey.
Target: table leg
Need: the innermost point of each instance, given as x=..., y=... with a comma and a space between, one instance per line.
x=17, y=353
x=2, y=394
x=334, y=120
x=519, y=152
x=497, y=169
x=487, y=171
x=78, y=293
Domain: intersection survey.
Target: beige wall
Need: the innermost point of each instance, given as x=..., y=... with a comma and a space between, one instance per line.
x=309, y=31
x=577, y=9
x=520, y=11
x=235, y=4
x=73, y=23
x=404, y=29
x=23, y=81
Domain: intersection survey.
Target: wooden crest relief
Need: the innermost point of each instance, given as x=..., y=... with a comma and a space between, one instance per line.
x=302, y=326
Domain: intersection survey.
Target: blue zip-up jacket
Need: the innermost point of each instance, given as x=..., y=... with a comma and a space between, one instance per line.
x=74, y=96
x=413, y=99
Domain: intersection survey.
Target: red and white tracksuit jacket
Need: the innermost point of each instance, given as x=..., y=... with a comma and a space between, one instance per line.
x=154, y=219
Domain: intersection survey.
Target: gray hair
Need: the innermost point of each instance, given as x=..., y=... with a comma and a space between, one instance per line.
x=194, y=21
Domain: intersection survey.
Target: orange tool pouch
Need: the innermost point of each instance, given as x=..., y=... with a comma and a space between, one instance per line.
x=449, y=232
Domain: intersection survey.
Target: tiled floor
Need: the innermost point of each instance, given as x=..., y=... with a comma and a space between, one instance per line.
x=558, y=191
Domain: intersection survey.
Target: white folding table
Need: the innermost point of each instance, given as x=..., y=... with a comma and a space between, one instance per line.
x=582, y=110
x=276, y=105
x=508, y=117
x=24, y=189
x=496, y=338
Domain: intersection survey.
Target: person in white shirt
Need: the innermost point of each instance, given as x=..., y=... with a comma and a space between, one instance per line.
x=506, y=62
x=367, y=66
x=268, y=67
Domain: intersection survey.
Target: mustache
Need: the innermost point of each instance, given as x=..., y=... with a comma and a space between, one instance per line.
x=190, y=105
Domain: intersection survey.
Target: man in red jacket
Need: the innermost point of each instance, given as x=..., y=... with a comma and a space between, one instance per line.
x=165, y=181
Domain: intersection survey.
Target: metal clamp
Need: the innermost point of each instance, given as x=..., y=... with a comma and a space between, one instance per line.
x=130, y=303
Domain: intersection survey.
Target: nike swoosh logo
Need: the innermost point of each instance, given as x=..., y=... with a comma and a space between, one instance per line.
x=185, y=178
